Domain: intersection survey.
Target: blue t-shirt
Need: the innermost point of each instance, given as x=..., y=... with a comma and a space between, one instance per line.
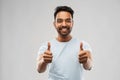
x=65, y=64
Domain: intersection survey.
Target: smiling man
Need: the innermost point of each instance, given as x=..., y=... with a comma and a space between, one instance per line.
x=65, y=56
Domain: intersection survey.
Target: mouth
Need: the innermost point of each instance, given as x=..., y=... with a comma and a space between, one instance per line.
x=64, y=29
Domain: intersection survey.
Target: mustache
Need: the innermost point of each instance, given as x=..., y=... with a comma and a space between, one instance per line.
x=60, y=28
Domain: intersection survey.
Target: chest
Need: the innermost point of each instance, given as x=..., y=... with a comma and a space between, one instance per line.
x=65, y=54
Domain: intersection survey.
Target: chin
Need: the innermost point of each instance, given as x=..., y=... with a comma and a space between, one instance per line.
x=64, y=35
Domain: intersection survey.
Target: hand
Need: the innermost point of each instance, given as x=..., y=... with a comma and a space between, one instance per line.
x=84, y=55
x=47, y=56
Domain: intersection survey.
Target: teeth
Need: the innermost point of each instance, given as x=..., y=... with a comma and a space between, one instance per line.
x=64, y=29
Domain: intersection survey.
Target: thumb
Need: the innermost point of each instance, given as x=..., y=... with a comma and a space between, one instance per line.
x=49, y=46
x=81, y=46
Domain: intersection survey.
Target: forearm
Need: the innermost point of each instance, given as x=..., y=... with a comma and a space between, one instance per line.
x=41, y=66
x=88, y=65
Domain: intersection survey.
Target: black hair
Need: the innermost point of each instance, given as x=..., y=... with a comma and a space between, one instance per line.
x=63, y=8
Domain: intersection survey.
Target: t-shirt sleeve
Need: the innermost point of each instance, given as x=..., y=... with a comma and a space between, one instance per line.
x=42, y=49
x=86, y=46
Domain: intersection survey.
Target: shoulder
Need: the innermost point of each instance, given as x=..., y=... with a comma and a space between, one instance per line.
x=86, y=45
x=44, y=46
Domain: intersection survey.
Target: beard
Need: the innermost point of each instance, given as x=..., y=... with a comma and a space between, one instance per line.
x=64, y=31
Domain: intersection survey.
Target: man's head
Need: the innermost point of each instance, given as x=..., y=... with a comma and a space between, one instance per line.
x=63, y=8
x=63, y=20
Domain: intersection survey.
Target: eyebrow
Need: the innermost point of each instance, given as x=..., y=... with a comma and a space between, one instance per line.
x=63, y=19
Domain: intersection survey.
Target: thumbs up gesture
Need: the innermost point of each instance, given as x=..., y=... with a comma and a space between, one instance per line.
x=84, y=55
x=47, y=56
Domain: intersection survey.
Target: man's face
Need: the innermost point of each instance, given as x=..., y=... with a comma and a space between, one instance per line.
x=63, y=23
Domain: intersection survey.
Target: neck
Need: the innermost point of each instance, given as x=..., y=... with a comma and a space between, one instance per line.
x=64, y=39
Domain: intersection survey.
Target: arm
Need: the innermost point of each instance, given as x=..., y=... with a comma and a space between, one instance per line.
x=85, y=58
x=88, y=64
x=41, y=65
x=44, y=59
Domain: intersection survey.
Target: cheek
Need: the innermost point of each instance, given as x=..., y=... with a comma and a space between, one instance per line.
x=57, y=26
x=71, y=24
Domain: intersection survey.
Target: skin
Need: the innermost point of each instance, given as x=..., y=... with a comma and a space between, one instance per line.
x=63, y=24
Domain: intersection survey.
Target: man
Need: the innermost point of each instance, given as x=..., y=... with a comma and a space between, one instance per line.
x=65, y=56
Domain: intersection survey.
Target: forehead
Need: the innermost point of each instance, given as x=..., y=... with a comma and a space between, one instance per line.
x=63, y=15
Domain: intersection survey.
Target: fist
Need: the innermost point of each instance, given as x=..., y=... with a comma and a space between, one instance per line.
x=47, y=56
x=83, y=55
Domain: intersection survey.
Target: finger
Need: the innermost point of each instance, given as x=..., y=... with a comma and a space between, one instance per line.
x=83, y=60
x=49, y=46
x=47, y=52
x=81, y=46
x=84, y=57
x=48, y=60
x=47, y=56
x=82, y=54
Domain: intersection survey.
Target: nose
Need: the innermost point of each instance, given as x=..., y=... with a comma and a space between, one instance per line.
x=63, y=23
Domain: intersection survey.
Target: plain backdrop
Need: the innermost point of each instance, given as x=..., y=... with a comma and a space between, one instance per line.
x=25, y=24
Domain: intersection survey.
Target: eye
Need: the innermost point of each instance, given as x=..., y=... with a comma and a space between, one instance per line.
x=59, y=20
x=68, y=20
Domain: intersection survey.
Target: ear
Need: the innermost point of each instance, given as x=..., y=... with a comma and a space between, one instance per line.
x=54, y=24
x=72, y=23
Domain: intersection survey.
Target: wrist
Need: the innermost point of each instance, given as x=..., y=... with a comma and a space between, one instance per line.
x=88, y=64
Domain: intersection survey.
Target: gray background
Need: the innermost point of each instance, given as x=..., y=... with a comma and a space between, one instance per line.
x=24, y=24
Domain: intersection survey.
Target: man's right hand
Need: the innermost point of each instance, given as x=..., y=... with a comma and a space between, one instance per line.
x=44, y=59
x=47, y=55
